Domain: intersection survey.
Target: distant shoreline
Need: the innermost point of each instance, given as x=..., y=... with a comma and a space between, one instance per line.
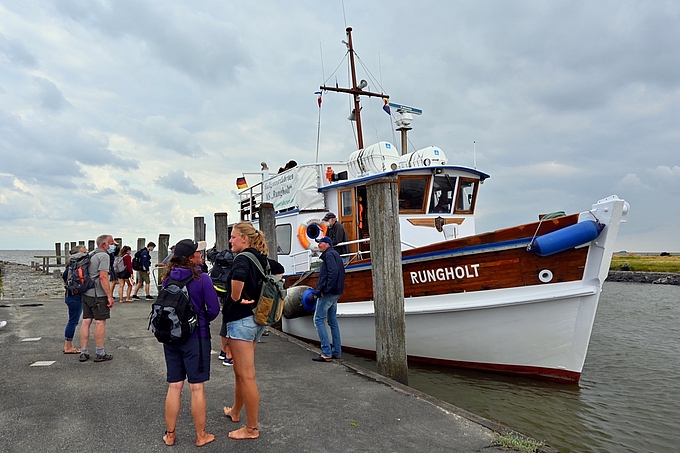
x=659, y=278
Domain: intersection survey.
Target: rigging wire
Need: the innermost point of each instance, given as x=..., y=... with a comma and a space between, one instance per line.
x=318, y=123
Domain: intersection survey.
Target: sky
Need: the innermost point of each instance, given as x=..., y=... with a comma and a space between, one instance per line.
x=132, y=117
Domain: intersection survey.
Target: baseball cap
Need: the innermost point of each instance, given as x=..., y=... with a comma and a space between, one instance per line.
x=187, y=247
x=326, y=239
x=328, y=216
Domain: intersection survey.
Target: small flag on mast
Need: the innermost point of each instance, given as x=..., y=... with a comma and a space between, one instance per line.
x=318, y=100
x=241, y=183
x=386, y=107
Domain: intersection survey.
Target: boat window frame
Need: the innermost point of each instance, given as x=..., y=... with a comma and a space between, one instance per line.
x=461, y=181
x=426, y=193
x=453, y=185
x=280, y=250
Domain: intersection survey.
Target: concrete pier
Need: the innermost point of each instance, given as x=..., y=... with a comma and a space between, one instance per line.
x=118, y=406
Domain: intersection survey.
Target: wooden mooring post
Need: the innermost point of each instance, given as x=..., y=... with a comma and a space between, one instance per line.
x=163, y=246
x=388, y=282
x=221, y=231
x=268, y=227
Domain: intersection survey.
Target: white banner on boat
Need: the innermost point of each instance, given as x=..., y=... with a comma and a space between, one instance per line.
x=294, y=188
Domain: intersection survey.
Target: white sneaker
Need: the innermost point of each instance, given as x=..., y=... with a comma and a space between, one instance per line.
x=3, y=324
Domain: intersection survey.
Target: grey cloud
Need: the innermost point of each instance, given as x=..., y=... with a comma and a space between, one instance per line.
x=47, y=152
x=192, y=43
x=15, y=52
x=159, y=131
x=51, y=98
x=138, y=195
x=176, y=180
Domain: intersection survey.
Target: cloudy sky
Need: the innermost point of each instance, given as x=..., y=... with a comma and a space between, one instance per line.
x=134, y=116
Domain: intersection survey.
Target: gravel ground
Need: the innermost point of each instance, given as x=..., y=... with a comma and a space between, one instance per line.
x=22, y=282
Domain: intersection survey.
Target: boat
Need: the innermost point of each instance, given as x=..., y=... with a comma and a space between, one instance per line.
x=519, y=300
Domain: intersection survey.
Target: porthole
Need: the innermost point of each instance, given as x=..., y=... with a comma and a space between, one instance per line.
x=545, y=276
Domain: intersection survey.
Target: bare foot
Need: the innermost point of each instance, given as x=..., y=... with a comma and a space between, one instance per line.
x=227, y=413
x=169, y=438
x=245, y=433
x=204, y=439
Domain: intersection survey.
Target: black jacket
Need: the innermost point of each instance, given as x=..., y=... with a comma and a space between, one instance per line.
x=244, y=270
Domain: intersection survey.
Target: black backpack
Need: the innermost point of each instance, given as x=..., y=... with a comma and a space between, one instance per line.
x=221, y=267
x=137, y=261
x=78, y=277
x=172, y=318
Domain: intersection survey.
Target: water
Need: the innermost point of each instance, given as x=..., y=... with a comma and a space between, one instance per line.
x=26, y=256
x=629, y=392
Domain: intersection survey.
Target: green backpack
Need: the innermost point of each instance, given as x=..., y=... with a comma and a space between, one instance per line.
x=269, y=305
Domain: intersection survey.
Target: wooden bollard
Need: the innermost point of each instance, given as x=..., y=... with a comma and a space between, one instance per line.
x=221, y=231
x=388, y=282
x=141, y=243
x=268, y=227
x=199, y=229
x=163, y=244
x=57, y=251
x=90, y=244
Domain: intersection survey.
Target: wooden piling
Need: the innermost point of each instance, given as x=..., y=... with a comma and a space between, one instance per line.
x=90, y=244
x=388, y=284
x=163, y=244
x=57, y=251
x=221, y=231
x=141, y=243
x=268, y=227
x=199, y=229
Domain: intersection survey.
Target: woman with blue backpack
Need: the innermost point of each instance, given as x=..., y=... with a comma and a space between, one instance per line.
x=190, y=359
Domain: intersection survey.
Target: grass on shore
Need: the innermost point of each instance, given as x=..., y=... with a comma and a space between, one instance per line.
x=641, y=263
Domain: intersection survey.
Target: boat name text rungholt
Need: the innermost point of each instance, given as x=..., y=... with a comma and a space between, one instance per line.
x=445, y=273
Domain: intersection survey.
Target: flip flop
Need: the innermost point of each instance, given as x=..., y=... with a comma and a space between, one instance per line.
x=75, y=351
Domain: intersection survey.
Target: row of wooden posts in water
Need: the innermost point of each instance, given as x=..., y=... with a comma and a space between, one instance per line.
x=222, y=232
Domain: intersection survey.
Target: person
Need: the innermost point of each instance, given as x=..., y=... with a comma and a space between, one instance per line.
x=97, y=301
x=184, y=360
x=336, y=231
x=328, y=289
x=143, y=275
x=74, y=302
x=125, y=277
x=243, y=286
x=113, y=250
x=277, y=269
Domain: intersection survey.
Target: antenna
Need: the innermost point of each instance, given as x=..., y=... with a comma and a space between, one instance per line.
x=474, y=154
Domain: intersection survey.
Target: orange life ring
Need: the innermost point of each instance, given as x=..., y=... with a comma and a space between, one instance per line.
x=303, y=232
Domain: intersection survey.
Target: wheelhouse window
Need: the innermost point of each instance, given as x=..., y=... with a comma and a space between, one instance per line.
x=467, y=195
x=412, y=193
x=441, y=198
x=284, y=238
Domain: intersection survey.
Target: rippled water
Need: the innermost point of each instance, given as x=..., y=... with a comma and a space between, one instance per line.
x=629, y=394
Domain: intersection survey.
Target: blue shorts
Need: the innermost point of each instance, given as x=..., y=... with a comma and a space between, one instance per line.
x=182, y=361
x=245, y=329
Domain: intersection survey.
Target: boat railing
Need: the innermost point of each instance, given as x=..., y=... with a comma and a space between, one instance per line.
x=250, y=200
x=302, y=261
x=363, y=254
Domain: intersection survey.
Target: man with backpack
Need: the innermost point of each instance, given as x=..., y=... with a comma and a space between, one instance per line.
x=97, y=301
x=142, y=263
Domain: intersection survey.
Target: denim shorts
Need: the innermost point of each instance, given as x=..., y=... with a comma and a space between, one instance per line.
x=182, y=361
x=245, y=329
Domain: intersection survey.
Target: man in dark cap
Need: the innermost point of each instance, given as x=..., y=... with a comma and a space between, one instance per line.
x=337, y=234
x=328, y=289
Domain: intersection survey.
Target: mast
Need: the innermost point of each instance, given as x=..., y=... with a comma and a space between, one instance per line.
x=355, y=91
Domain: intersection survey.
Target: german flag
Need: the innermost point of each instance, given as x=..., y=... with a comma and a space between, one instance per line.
x=241, y=183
